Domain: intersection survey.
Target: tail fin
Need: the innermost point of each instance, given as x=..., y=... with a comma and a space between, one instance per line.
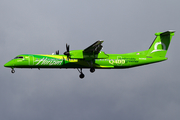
x=161, y=43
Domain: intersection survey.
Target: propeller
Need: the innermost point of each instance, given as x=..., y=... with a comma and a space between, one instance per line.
x=67, y=50
x=57, y=52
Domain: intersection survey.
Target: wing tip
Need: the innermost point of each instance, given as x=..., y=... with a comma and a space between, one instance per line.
x=101, y=40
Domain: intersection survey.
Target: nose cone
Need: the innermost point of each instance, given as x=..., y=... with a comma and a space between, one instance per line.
x=9, y=64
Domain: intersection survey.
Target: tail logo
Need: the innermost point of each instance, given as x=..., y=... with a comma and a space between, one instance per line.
x=156, y=45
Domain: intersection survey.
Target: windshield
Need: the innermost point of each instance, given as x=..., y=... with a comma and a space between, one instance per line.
x=19, y=57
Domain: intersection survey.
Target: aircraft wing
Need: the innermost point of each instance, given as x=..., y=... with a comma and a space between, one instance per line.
x=94, y=48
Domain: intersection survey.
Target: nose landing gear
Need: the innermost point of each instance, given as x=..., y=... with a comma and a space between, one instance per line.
x=12, y=71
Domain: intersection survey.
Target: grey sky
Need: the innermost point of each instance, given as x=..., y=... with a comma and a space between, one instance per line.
x=144, y=93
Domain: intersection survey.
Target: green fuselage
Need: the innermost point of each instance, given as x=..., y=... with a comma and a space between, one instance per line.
x=61, y=61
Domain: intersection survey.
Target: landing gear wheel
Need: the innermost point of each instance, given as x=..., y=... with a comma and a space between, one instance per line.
x=92, y=70
x=12, y=71
x=81, y=75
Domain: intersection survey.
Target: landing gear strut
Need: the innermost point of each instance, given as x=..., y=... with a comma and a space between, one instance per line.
x=81, y=73
x=12, y=71
x=92, y=69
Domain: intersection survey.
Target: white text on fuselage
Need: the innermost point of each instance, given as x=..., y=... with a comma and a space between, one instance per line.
x=118, y=62
x=48, y=62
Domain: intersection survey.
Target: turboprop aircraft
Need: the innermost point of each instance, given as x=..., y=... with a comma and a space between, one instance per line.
x=93, y=58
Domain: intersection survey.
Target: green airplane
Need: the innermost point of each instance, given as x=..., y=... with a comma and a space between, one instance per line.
x=93, y=58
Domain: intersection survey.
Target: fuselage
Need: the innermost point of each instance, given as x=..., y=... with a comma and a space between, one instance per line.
x=62, y=61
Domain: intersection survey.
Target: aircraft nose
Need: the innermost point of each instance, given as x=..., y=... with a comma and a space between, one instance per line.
x=8, y=64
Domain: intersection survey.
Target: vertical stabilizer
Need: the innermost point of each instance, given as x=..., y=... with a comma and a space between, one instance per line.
x=161, y=43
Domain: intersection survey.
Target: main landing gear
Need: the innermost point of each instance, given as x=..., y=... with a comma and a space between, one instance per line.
x=12, y=71
x=92, y=70
x=81, y=73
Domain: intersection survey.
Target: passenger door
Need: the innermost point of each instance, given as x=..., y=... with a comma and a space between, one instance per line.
x=31, y=60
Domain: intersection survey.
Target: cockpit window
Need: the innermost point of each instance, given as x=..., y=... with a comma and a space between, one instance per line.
x=19, y=57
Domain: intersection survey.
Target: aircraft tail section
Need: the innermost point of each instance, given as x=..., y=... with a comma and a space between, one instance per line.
x=161, y=43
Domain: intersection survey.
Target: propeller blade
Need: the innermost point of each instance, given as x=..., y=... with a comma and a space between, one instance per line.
x=57, y=52
x=67, y=47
